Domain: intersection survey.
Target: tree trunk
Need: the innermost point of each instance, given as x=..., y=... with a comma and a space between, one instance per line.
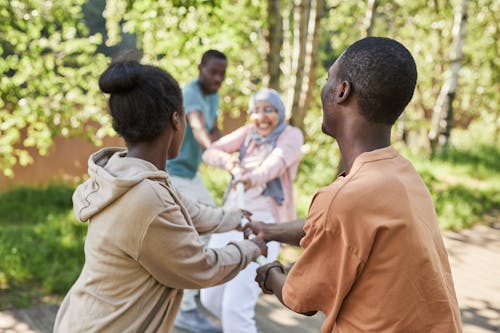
x=311, y=62
x=442, y=117
x=286, y=65
x=274, y=40
x=300, y=18
x=306, y=59
x=370, y=17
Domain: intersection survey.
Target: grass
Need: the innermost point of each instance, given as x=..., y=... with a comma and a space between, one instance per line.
x=41, y=243
x=464, y=183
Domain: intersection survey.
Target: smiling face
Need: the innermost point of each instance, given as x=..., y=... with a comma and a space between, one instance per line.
x=264, y=117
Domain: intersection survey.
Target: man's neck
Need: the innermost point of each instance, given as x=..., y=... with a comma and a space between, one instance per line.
x=203, y=91
x=356, y=144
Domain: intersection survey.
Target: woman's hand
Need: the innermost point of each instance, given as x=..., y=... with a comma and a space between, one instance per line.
x=245, y=214
x=240, y=176
x=261, y=243
x=231, y=164
x=245, y=180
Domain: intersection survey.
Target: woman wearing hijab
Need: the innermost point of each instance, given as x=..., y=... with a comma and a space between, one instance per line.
x=267, y=155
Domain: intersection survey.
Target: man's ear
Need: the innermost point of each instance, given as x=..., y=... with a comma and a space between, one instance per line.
x=175, y=120
x=343, y=91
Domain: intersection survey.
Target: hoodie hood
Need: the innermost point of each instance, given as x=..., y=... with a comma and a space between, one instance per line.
x=111, y=174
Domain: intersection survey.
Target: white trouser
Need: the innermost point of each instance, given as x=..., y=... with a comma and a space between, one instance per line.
x=234, y=301
x=193, y=189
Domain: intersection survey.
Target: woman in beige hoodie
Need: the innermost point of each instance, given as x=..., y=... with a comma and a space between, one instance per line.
x=142, y=247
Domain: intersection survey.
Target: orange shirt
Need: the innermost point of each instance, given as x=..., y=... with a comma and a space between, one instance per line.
x=374, y=259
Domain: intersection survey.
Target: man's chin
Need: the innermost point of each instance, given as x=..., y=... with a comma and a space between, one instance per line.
x=326, y=131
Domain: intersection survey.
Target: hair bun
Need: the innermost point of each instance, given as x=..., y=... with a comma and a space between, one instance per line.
x=120, y=77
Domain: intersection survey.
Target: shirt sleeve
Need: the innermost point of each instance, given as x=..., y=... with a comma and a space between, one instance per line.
x=191, y=98
x=173, y=254
x=220, y=152
x=286, y=153
x=327, y=269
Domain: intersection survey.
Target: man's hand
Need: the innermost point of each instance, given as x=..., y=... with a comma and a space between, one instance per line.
x=288, y=232
x=256, y=228
x=259, y=241
x=215, y=132
x=263, y=276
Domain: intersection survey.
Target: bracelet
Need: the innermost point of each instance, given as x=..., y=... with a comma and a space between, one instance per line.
x=266, y=275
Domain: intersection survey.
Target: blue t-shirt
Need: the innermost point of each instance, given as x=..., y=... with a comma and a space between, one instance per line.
x=186, y=164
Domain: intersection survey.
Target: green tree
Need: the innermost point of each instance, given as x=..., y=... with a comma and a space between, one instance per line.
x=48, y=87
x=426, y=29
x=50, y=62
x=442, y=117
x=174, y=35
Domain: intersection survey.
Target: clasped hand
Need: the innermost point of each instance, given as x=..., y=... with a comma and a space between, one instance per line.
x=234, y=168
x=263, y=273
x=258, y=238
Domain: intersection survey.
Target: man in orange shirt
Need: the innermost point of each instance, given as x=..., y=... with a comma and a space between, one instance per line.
x=374, y=259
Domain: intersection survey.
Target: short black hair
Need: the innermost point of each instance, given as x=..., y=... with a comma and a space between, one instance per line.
x=383, y=75
x=212, y=54
x=142, y=99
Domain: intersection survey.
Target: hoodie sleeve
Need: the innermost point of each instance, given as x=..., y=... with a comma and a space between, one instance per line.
x=208, y=219
x=219, y=154
x=173, y=253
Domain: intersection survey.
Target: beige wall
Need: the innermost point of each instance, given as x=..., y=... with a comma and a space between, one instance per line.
x=67, y=161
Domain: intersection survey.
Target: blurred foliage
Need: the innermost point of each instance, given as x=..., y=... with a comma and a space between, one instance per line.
x=50, y=70
x=175, y=34
x=425, y=28
x=41, y=244
x=53, y=51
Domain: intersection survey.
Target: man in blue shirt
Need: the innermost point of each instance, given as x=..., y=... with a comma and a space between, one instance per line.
x=201, y=102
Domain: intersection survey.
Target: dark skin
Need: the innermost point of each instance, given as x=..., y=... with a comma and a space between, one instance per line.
x=211, y=75
x=355, y=135
x=163, y=147
x=291, y=234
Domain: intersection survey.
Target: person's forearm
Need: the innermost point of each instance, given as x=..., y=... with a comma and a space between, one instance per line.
x=275, y=282
x=200, y=132
x=202, y=137
x=288, y=232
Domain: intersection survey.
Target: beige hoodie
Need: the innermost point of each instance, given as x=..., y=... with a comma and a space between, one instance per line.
x=142, y=248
